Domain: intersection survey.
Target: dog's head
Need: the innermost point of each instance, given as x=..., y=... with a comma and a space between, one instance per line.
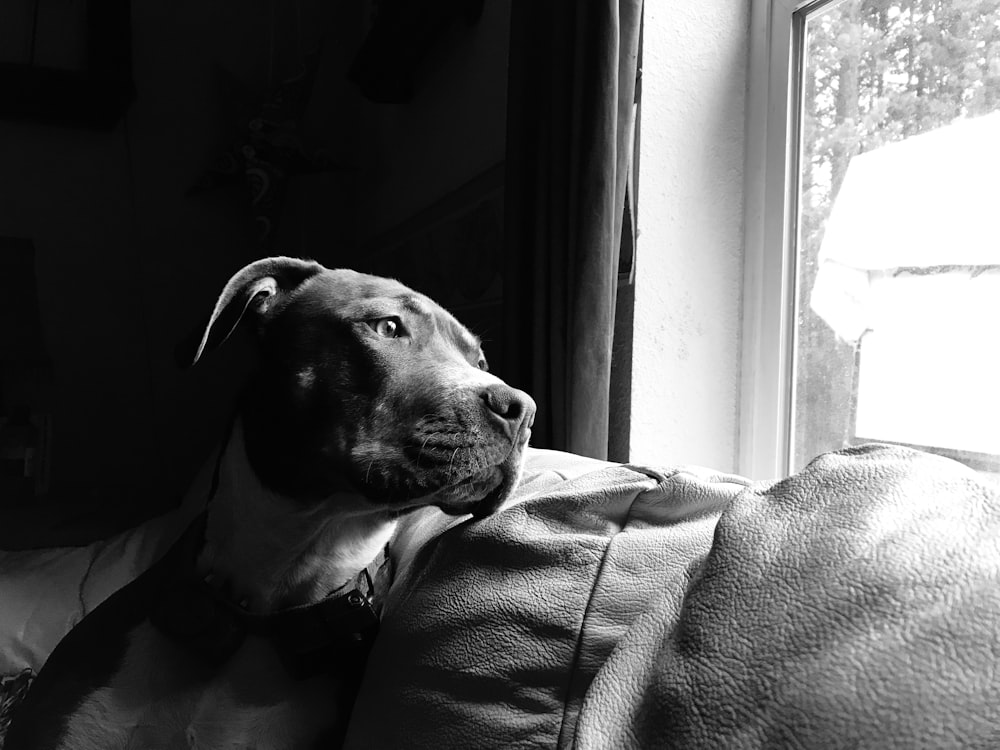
x=364, y=384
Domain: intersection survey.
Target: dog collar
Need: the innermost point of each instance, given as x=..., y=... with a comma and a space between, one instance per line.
x=333, y=634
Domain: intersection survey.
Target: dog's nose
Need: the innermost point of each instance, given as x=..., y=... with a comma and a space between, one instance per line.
x=510, y=404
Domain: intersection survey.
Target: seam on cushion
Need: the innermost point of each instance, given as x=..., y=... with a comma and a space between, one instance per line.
x=563, y=475
x=567, y=477
x=587, y=611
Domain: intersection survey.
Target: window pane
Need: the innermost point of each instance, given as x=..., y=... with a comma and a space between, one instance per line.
x=898, y=296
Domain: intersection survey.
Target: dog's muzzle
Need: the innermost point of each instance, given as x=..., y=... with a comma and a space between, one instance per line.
x=481, y=493
x=462, y=452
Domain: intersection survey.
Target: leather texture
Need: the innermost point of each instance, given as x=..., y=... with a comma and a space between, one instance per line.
x=855, y=604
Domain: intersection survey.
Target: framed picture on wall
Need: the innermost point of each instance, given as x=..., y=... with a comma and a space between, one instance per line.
x=65, y=62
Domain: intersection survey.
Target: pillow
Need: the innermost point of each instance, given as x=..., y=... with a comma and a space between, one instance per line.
x=45, y=592
x=855, y=604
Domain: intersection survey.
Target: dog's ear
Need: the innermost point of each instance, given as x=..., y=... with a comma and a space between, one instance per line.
x=256, y=289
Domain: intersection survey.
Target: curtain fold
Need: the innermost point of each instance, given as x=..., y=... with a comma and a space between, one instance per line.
x=570, y=105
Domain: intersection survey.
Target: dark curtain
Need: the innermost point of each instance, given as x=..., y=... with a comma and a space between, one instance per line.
x=570, y=105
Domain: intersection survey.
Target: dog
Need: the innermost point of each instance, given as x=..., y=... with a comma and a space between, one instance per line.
x=368, y=401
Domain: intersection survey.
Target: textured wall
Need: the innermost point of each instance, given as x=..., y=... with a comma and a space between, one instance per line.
x=689, y=253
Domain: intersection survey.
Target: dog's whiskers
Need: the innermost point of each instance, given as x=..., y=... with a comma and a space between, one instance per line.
x=422, y=445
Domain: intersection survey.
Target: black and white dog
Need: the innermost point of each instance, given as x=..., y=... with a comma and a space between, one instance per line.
x=368, y=400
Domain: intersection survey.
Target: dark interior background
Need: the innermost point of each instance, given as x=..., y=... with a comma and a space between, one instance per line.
x=116, y=240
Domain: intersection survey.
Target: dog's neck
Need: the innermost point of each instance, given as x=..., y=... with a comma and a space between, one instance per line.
x=266, y=551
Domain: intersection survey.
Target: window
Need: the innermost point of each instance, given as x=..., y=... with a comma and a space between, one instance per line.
x=873, y=258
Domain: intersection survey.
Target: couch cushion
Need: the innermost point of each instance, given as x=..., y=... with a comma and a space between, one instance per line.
x=494, y=629
x=855, y=604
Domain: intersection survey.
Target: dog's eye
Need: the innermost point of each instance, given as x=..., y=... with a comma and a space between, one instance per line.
x=388, y=328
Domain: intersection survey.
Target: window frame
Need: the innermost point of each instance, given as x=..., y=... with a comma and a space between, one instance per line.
x=771, y=182
x=770, y=285
x=765, y=397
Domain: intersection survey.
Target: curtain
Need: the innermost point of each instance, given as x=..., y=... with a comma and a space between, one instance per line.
x=570, y=112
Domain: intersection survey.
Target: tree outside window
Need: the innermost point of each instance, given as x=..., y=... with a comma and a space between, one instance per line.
x=876, y=74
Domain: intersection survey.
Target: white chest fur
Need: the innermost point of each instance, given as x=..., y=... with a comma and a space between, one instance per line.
x=268, y=552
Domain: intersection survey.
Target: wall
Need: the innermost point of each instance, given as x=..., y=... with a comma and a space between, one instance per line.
x=430, y=193
x=453, y=130
x=401, y=158
x=689, y=251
